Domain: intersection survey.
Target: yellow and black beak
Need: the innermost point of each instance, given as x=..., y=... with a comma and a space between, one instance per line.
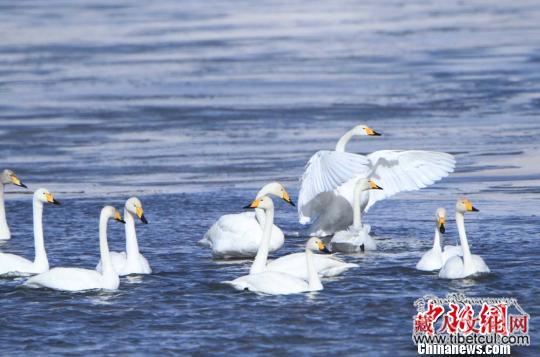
x=323, y=248
x=253, y=204
x=374, y=186
x=440, y=224
x=51, y=199
x=470, y=207
x=118, y=217
x=371, y=132
x=140, y=214
x=17, y=182
x=287, y=198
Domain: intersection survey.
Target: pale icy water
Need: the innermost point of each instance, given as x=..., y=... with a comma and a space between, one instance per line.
x=194, y=105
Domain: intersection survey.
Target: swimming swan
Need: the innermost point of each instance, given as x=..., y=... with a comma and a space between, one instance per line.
x=239, y=235
x=326, y=193
x=458, y=267
x=15, y=265
x=295, y=264
x=262, y=281
x=356, y=238
x=6, y=178
x=130, y=261
x=77, y=279
x=435, y=258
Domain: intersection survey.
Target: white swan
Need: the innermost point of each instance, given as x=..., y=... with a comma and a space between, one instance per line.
x=276, y=283
x=470, y=264
x=130, y=261
x=435, y=258
x=326, y=193
x=239, y=235
x=295, y=263
x=6, y=178
x=14, y=265
x=356, y=238
x=77, y=279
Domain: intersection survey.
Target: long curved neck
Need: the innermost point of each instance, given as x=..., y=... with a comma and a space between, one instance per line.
x=437, y=240
x=259, y=212
x=260, y=216
x=4, y=228
x=314, y=283
x=259, y=264
x=132, y=246
x=460, y=221
x=342, y=142
x=106, y=263
x=357, y=211
x=40, y=259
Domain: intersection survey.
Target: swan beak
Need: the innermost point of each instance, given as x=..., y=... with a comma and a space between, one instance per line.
x=371, y=132
x=469, y=207
x=287, y=198
x=441, y=225
x=16, y=181
x=140, y=214
x=253, y=204
x=118, y=217
x=323, y=248
x=51, y=199
x=374, y=186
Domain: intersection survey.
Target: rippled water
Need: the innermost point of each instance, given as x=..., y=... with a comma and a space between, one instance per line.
x=192, y=106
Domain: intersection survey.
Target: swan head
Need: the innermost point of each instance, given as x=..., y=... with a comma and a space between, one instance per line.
x=317, y=245
x=111, y=213
x=263, y=202
x=364, y=184
x=8, y=176
x=464, y=205
x=440, y=215
x=364, y=130
x=44, y=196
x=276, y=189
x=134, y=206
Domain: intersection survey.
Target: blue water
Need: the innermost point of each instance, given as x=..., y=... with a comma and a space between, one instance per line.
x=192, y=106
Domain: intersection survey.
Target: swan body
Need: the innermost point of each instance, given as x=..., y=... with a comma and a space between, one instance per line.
x=131, y=261
x=262, y=281
x=458, y=267
x=356, y=238
x=280, y=283
x=327, y=186
x=450, y=250
x=77, y=279
x=352, y=241
x=295, y=264
x=239, y=235
x=6, y=177
x=14, y=265
x=271, y=283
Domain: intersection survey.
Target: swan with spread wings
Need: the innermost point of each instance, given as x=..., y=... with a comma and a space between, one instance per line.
x=327, y=185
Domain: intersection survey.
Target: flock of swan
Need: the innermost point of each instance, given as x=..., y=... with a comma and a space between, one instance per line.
x=337, y=187
x=110, y=267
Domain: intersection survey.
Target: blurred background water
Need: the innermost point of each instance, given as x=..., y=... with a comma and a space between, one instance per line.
x=194, y=105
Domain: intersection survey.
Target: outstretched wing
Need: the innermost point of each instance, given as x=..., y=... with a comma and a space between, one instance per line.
x=397, y=171
x=325, y=171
